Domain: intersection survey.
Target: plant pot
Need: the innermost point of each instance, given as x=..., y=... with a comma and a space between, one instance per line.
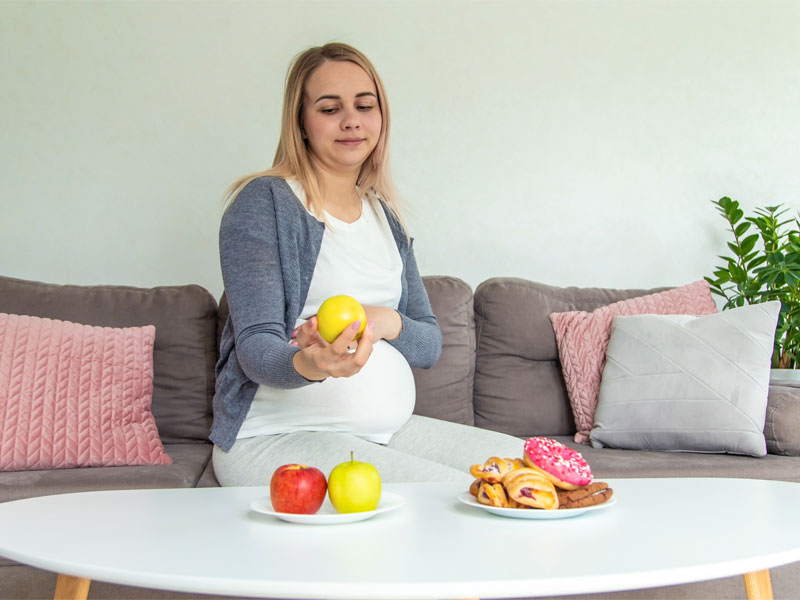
x=784, y=376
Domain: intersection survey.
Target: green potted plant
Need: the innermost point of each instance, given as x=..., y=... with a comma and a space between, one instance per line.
x=764, y=266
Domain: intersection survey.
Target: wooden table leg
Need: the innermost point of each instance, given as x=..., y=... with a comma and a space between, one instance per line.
x=758, y=585
x=72, y=588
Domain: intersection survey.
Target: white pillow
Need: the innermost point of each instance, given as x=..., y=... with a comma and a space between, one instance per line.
x=688, y=383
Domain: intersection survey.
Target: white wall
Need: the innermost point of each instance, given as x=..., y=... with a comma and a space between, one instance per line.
x=574, y=143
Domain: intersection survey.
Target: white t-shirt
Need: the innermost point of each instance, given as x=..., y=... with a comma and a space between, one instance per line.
x=359, y=259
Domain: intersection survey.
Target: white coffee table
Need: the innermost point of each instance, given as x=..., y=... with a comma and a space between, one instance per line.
x=658, y=532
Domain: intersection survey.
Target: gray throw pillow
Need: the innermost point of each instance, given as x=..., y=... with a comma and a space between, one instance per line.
x=688, y=383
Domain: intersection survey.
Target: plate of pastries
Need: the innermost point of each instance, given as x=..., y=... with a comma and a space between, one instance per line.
x=550, y=481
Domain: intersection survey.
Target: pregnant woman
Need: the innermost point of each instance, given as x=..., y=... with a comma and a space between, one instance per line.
x=324, y=221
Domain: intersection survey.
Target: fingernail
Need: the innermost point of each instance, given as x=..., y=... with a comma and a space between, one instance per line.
x=371, y=325
x=294, y=343
x=356, y=325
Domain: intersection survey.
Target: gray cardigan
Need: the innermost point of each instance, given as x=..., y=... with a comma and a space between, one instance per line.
x=269, y=245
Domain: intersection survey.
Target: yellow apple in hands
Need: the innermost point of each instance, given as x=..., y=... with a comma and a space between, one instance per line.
x=336, y=314
x=354, y=486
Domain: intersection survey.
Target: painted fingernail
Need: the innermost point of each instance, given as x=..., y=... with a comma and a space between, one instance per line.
x=356, y=325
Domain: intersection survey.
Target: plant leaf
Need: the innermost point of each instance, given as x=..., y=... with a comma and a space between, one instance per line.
x=735, y=249
x=737, y=274
x=748, y=244
x=722, y=277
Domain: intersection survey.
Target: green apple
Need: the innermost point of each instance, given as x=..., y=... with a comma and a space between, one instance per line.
x=354, y=486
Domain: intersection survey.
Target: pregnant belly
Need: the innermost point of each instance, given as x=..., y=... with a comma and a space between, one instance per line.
x=373, y=404
x=379, y=398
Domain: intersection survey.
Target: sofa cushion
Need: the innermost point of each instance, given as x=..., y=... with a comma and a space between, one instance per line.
x=610, y=463
x=184, y=353
x=782, y=424
x=445, y=391
x=582, y=339
x=519, y=388
x=75, y=395
x=189, y=462
x=688, y=384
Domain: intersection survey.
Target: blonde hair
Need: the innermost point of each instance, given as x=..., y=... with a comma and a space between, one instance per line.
x=293, y=158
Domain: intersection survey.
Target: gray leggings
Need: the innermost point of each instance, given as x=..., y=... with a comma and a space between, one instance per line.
x=424, y=449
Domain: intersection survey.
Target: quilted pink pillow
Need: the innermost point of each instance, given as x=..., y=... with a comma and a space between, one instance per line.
x=75, y=395
x=582, y=340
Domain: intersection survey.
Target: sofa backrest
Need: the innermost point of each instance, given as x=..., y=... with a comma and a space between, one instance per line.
x=185, y=351
x=519, y=388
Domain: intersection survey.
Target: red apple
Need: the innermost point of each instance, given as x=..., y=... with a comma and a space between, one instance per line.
x=297, y=489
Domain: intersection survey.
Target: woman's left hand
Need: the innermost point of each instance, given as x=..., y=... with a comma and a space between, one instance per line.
x=386, y=322
x=386, y=325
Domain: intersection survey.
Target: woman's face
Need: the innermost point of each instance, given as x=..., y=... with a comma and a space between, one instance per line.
x=341, y=118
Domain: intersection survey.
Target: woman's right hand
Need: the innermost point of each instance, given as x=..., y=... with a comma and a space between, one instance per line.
x=318, y=360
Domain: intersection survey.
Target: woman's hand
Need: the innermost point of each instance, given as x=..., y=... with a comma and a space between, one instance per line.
x=318, y=360
x=386, y=321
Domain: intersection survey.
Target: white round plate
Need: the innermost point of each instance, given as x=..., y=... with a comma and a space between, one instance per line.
x=327, y=515
x=532, y=513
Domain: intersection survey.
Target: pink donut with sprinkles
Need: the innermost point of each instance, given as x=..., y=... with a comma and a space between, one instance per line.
x=563, y=466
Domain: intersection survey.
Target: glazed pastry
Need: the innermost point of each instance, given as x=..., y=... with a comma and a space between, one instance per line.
x=588, y=495
x=492, y=470
x=473, y=489
x=565, y=467
x=492, y=494
x=529, y=488
x=514, y=504
x=516, y=463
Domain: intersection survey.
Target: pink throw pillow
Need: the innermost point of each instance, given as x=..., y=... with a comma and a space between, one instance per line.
x=582, y=340
x=75, y=395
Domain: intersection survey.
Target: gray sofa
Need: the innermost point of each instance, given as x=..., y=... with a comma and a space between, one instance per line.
x=499, y=370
